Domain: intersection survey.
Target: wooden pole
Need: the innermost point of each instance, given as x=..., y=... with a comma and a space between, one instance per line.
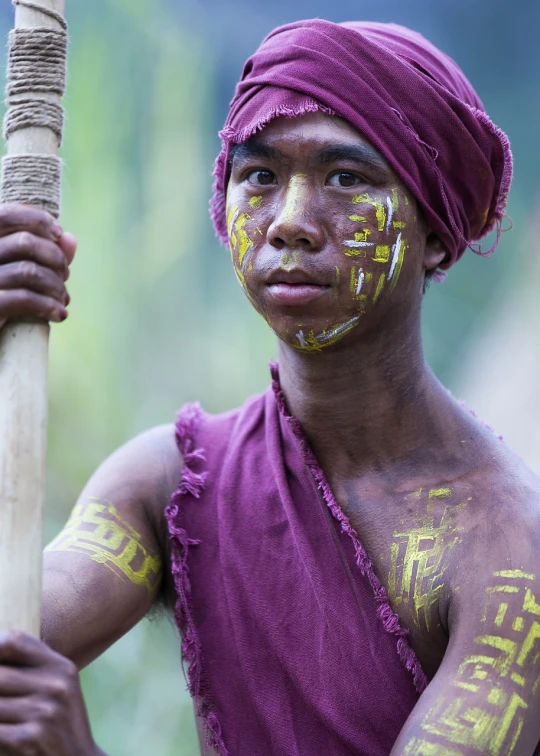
x=23, y=417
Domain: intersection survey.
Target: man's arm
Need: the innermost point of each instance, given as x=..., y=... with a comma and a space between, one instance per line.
x=105, y=569
x=102, y=574
x=485, y=697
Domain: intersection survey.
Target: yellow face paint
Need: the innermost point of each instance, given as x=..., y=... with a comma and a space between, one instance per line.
x=380, y=211
x=358, y=218
x=362, y=236
x=295, y=190
x=382, y=253
x=395, y=200
x=380, y=287
x=97, y=530
x=312, y=342
x=255, y=202
x=399, y=225
x=244, y=242
x=419, y=557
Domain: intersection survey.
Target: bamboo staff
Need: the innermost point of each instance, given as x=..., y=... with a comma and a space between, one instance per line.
x=23, y=408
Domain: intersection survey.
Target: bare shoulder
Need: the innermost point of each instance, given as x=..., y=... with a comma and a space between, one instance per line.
x=499, y=526
x=142, y=474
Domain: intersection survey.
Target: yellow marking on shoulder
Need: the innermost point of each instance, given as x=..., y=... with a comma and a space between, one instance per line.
x=515, y=574
x=421, y=747
x=97, y=529
x=501, y=614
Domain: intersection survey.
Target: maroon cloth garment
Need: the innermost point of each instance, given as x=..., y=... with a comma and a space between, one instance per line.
x=291, y=644
x=410, y=100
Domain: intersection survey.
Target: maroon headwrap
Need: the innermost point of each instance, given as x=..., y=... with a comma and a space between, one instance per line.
x=410, y=100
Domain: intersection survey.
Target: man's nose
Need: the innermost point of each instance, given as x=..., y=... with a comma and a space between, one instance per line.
x=295, y=223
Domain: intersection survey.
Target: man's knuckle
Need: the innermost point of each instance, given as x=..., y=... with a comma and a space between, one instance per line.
x=60, y=688
x=12, y=639
x=28, y=271
x=24, y=240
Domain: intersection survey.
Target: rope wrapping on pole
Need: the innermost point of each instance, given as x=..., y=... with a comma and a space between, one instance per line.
x=31, y=173
x=36, y=73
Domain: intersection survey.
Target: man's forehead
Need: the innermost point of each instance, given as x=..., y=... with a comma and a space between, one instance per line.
x=325, y=141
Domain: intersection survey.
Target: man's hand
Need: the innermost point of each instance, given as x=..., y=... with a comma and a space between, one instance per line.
x=42, y=711
x=35, y=255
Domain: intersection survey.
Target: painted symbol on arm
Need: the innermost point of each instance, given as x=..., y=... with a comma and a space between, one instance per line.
x=419, y=555
x=498, y=674
x=96, y=528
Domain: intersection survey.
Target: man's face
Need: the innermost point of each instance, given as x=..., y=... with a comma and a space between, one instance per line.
x=324, y=238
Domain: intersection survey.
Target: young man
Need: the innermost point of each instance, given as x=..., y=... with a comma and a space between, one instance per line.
x=353, y=558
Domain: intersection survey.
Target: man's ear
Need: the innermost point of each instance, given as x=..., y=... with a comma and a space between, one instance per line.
x=434, y=253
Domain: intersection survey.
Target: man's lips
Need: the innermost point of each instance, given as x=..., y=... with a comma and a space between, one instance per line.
x=297, y=293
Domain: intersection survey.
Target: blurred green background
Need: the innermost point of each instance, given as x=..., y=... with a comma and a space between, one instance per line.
x=157, y=317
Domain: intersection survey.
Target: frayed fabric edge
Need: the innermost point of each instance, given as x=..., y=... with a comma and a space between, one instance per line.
x=388, y=617
x=230, y=136
x=191, y=485
x=506, y=181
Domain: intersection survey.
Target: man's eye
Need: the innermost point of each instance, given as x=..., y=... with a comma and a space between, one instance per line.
x=344, y=179
x=261, y=178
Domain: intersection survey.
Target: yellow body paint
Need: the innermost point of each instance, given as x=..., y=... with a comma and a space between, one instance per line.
x=399, y=225
x=419, y=557
x=295, y=190
x=359, y=252
x=97, y=530
x=382, y=253
x=420, y=747
x=358, y=218
x=395, y=199
x=255, y=202
x=494, y=726
x=380, y=210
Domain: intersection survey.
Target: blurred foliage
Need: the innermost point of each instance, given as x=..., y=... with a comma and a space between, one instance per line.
x=157, y=316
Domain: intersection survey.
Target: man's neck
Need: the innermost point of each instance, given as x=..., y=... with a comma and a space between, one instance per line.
x=372, y=407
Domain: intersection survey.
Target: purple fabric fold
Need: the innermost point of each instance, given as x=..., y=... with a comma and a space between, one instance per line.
x=410, y=100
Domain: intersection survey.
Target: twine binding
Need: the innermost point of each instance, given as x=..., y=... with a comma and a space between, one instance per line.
x=36, y=79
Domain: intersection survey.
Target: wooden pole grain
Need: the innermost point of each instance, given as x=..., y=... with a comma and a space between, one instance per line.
x=23, y=417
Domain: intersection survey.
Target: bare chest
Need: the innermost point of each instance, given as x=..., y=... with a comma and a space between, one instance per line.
x=412, y=541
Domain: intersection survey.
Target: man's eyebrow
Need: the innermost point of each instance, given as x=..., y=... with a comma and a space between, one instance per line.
x=252, y=149
x=361, y=154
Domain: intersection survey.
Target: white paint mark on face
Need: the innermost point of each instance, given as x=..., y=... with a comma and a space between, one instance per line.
x=390, y=207
x=361, y=278
x=357, y=244
x=395, y=254
x=301, y=339
x=323, y=338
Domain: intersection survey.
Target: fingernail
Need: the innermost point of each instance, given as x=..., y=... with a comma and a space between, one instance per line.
x=58, y=316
